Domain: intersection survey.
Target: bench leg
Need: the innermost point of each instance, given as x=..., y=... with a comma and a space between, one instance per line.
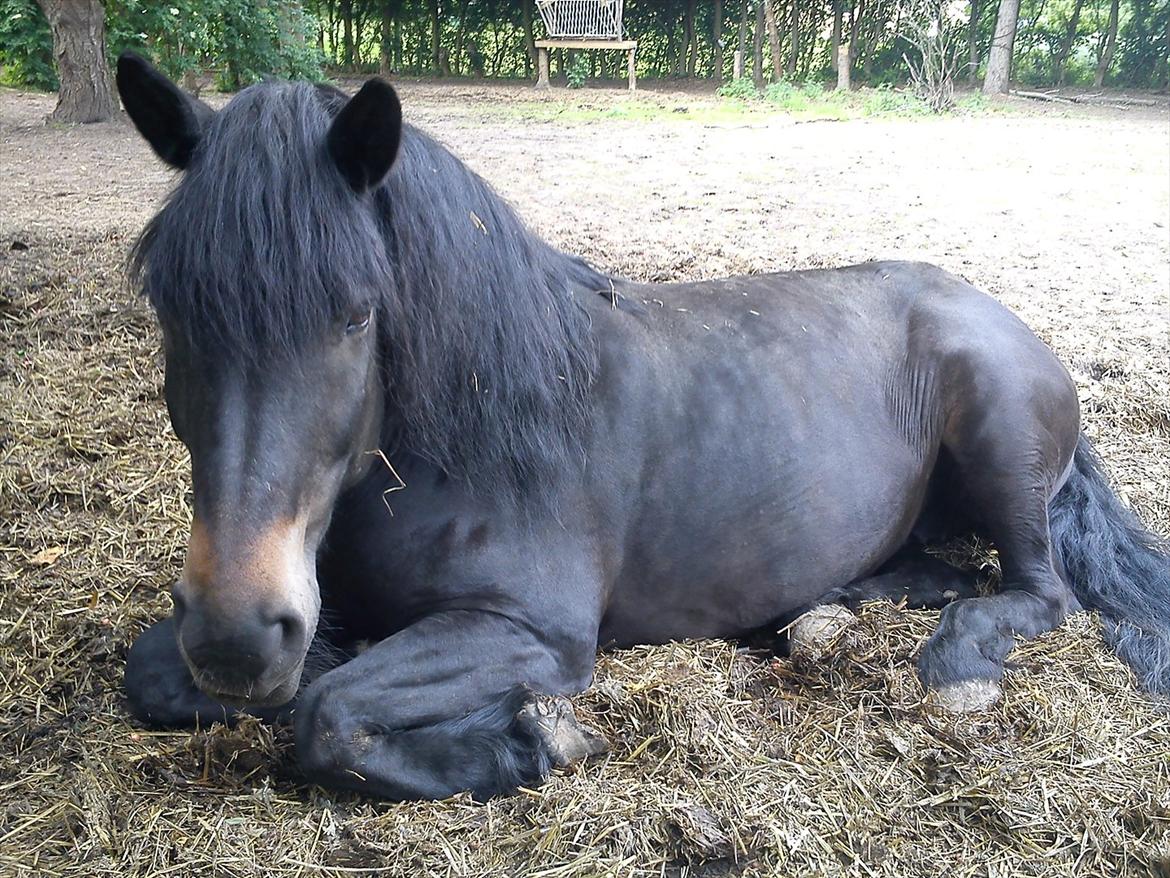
x=630, y=69
x=542, y=68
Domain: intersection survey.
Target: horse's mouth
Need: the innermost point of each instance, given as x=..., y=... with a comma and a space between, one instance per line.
x=256, y=695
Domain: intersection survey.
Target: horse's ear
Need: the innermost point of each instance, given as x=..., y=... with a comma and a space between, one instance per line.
x=364, y=137
x=170, y=119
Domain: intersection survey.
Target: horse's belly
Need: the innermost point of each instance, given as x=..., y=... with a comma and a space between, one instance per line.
x=758, y=543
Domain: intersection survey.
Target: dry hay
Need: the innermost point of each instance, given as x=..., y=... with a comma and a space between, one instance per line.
x=724, y=761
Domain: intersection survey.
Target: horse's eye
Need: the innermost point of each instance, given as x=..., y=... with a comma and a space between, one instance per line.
x=358, y=322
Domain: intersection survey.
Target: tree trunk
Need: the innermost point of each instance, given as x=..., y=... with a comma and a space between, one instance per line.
x=1070, y=37
x=529, y=39
x=758, y=45
x=973, y=41
x=460, y=32
x=358, y=22
x=386, y=55
x=79, y=49
x=434, y=14
x=856, y=13
x=793, y=36
x=1110, y=44
x=347, y=33
x=999, y=58
x=741, y=52
x=773, y=40
x=692, y=40
x=835, y=40
x=717, y=42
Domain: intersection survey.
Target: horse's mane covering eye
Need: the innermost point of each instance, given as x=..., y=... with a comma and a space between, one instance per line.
x=262, y=242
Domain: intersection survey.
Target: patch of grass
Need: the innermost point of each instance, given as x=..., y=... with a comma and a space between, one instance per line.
x=740, y=102
x=631, y=111
x=810, y=98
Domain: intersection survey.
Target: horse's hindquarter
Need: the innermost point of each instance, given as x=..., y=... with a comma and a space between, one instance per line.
x=784, y=430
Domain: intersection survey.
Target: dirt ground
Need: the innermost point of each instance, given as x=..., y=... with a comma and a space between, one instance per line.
x=723, y=763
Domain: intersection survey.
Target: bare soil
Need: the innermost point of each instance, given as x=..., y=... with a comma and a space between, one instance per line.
x=722, y=763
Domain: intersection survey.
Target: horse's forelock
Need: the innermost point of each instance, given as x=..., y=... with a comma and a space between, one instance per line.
x=261, y=245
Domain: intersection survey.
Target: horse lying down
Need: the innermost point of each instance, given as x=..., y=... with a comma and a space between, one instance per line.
x=412, y=422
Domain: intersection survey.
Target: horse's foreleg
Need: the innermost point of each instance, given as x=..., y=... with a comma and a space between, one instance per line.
x=161, y=692
x=449, y=704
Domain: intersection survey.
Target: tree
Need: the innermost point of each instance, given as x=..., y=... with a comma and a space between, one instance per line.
x=773, y=40
x=436, y=59
x=529, y=38
x=1110, y=44
x=973, y=41
x=835, y=39
x=717, y=42
x=1070, y=36
x=79, y=49
x=793, y=36
x=758, y=46
x=999, y=59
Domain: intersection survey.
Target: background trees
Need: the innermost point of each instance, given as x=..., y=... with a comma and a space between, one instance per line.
x=1112, y=42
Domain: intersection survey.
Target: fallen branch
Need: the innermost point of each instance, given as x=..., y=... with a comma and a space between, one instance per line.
x=1101, y=99
x=1042, y=96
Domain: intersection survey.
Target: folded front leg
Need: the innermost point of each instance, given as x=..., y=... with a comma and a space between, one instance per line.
x=440, y=708
x=161, y=692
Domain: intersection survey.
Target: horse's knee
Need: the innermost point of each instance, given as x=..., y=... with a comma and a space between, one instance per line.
x=324, y=729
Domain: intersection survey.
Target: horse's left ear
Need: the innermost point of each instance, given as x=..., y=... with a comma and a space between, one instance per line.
x=364, y=137
x=170, y=119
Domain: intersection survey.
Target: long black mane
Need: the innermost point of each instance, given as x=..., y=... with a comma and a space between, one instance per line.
x=261, y=248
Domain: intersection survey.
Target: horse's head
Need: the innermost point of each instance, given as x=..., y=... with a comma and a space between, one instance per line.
x=265, y=268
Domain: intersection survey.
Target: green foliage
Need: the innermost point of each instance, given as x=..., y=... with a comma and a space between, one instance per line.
x=742, y=89
x=26, y=46
x=885, y=101
x=809, y=98
x=578, y=70
x=257, y=40
x=240, y=39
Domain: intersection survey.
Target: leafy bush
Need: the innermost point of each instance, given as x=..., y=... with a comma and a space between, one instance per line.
x=742, y=89
x=813, y=88
x=578, y=71
x=885, y=101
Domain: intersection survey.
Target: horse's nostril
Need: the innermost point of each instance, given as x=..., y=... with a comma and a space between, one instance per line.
x=291, y=627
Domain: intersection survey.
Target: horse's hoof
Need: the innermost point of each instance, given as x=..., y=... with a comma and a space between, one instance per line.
x=817, y=630
x=967, y=696
x=551, y=718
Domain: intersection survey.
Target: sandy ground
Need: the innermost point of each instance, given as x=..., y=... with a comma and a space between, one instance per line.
x=1062, y=213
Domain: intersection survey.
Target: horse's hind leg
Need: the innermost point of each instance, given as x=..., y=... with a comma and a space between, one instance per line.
x=1009, y=461
x=160, y=690
x=922, y=581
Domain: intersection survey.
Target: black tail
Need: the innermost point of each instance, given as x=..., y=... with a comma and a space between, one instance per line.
x=1116, y=567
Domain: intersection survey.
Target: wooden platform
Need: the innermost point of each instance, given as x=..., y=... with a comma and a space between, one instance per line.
x=630, y=47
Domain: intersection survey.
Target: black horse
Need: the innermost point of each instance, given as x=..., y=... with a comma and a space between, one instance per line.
x=413, y=423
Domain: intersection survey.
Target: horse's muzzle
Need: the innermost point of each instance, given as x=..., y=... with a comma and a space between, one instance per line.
x=241, y=655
